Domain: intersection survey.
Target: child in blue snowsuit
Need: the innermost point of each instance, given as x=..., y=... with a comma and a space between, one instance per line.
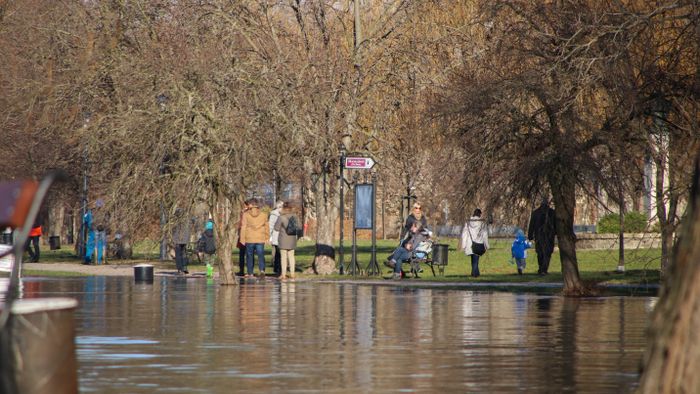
x=519, y=250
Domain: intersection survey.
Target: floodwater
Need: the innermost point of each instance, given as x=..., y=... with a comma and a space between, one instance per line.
x=190, y=335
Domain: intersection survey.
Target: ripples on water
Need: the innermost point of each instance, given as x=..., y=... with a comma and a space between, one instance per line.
x=193, y=336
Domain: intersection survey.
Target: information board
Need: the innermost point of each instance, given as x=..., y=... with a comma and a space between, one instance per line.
x=364, y=206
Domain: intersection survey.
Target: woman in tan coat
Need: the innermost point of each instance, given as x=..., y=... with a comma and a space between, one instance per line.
x=288, y=227
x=254, y=234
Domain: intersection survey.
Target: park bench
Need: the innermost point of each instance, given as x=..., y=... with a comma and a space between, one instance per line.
x=435, y=258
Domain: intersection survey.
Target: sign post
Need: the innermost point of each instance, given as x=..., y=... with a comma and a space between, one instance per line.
x=364, y=212
x=359, y=163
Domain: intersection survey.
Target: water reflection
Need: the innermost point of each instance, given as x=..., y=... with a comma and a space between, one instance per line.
x=190, y=335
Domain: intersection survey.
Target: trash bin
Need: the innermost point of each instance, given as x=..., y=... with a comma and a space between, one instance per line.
x=440, y=254
x=54, y=242
x=143, y=273
x=7, y=238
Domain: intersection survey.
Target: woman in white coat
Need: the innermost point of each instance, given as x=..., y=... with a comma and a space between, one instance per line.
x=475, y=240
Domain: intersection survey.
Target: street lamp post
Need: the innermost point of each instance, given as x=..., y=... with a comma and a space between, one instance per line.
x=162, y=100
x=341, y=261
x=345, y=142
x=408, y=197
x=163, y=220
x=82, y=237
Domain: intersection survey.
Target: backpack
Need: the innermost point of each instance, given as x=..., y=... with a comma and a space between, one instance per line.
x=208, y=243
x=292, y=226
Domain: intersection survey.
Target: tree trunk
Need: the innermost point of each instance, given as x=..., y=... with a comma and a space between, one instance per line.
x=564, y=197
x=326, y=213
x=667, y=230
x=672, y=357
x=226, y=216
x=664, y=220
x=56, y=217
x=621, y=258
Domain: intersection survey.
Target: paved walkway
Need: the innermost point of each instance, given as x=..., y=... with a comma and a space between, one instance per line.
x=127, y=269
x=111, y=269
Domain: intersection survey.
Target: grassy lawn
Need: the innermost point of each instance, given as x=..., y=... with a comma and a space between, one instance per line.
x=594, y=265
x=31, y=272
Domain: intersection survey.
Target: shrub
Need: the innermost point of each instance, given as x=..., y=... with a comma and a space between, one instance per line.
x=635, y=222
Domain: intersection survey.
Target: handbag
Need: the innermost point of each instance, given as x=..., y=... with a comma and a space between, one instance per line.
x=477, y=248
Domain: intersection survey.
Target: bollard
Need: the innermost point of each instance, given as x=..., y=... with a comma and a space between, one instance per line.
x=143, y=273
x=37, y=347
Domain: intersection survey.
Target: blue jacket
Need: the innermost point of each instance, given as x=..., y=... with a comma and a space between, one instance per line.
x=520, y=245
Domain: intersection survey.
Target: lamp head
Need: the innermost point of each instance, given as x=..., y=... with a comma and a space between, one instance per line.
x=346, y=141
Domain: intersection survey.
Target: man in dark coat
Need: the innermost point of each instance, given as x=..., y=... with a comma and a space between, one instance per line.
x=181, y=237
x=542, y=230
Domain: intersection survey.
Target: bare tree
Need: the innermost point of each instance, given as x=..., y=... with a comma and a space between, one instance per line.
x=184, y=121
x=341, y=48
x=673, y=353
x=551, y=92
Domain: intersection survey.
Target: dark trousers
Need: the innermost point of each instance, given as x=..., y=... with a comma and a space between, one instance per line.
x=241, y=260
x=180, y=257
x=255, y=249
x=33, y=254
x=475, y=265
x=276, y=260
x=544, y=249
x=543, y=258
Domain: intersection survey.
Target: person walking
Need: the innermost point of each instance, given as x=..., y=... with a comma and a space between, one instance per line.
x=181, y=237
x=239, y=245
x=32, y=245
x=475, y=240
x=254, y=235
x=542, y=230
x=207, y=246
x=89, y=237
x=287, y=227
x=274, y=237
x=99, y=226
x=518, y=250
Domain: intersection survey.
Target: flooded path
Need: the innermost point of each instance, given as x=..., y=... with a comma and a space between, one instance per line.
x=190, y=335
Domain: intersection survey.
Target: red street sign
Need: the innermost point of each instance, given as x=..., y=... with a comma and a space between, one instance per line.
x=364, y=163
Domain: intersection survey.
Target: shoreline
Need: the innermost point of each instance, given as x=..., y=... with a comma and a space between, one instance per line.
x=127, y=269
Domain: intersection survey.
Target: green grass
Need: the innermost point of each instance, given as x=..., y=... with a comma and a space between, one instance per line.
x=599, y=266
x=31, y=272
x=642, y=266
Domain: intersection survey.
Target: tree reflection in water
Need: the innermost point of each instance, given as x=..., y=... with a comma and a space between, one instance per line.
x=190, y=335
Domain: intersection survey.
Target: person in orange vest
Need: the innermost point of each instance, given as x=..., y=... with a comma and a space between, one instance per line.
x=33, y=241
